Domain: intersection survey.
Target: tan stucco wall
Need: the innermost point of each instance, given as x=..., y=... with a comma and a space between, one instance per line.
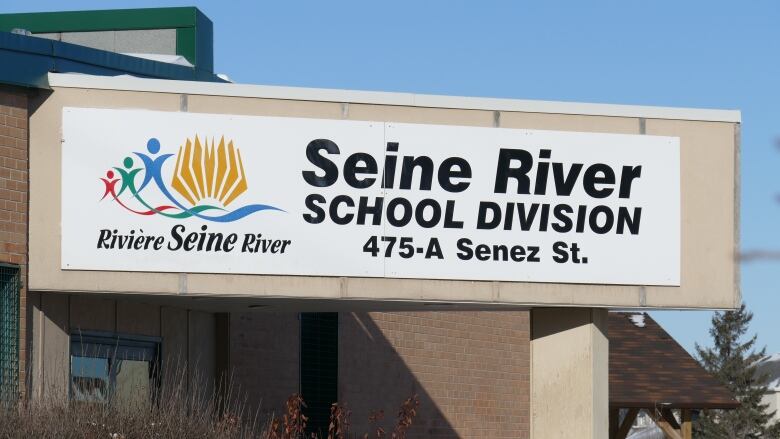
x=708, y=225
x=569, y=373
x=187, y=337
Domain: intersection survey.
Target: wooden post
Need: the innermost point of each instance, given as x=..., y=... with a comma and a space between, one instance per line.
x=669, y=417
x=625, y=426
x=687, y=425
x=614, y=422
x=665, y=425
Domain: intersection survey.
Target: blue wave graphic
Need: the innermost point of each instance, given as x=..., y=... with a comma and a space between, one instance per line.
x=239, y=213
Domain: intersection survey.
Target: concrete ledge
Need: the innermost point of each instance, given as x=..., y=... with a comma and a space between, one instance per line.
x=386, y=98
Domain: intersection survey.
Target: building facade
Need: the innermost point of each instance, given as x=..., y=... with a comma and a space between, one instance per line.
x=490, y=348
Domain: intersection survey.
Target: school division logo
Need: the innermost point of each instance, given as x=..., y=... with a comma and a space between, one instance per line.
x=207, y=178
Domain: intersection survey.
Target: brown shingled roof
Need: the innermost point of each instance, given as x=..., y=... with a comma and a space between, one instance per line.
x=648, y=368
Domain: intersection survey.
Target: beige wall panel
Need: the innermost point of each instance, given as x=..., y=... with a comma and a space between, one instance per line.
x=55, y=346
x=709, y=232
x=137, y=318
x=295, y=286
x=174, y=333
x=708, y=277
x=498, y=292
x=33, y=342
x=569, y=373
x=92, y=314
x=173, y=330
x=202, y=365
x=415, y=289
x=570, y=295
x=600, y=370
x=569, y=122
x=263, y=107
x=439, y=116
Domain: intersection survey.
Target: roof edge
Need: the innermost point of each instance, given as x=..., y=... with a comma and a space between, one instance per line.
x=388, y=98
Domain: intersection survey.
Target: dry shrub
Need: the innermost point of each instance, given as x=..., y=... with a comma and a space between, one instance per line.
x=338, y=427
x=374, y=419
x=406, y=415
x=293, y=423
x=181, y=407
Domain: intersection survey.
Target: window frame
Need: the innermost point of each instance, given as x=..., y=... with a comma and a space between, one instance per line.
x=114, y=346
x=10, y=321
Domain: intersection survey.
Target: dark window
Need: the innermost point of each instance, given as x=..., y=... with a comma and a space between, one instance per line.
x=10, y=285
x=116, y=368
x=319, y=367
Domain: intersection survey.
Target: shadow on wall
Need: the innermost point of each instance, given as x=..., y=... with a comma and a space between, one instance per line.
x=373, y=377
x=265, y=358
x=470, y=370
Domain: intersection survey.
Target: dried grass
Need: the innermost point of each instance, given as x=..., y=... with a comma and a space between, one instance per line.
x=182, y=407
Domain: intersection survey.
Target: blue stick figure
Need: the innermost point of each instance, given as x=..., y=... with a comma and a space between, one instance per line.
x=153, y=167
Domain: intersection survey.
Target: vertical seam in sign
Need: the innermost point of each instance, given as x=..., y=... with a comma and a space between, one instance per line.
x=496, y=119
x=345, y=110
x=642, y=125
x=183, y=103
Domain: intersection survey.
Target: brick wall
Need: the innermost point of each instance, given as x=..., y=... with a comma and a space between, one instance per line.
x=13, y=196
x=471, y=371
x=264, y=358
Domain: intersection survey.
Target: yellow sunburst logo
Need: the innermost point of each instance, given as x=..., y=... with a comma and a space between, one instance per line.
x=209, y=171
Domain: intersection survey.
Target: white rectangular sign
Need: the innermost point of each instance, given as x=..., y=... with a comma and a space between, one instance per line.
x=211, y=193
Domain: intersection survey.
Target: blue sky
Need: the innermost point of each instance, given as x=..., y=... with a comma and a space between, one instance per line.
x=713, y=54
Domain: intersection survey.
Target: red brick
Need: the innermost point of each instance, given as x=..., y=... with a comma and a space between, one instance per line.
x=13, y=194
x=471, y=370
x=18, y=122
x=264, y=354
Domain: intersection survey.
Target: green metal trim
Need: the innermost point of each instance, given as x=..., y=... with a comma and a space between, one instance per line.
x=204, y=43
x=186, y=41
x=194, y=31
x=197, y=43
x=89, y=21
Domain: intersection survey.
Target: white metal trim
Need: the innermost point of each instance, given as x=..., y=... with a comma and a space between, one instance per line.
x=131, y=83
